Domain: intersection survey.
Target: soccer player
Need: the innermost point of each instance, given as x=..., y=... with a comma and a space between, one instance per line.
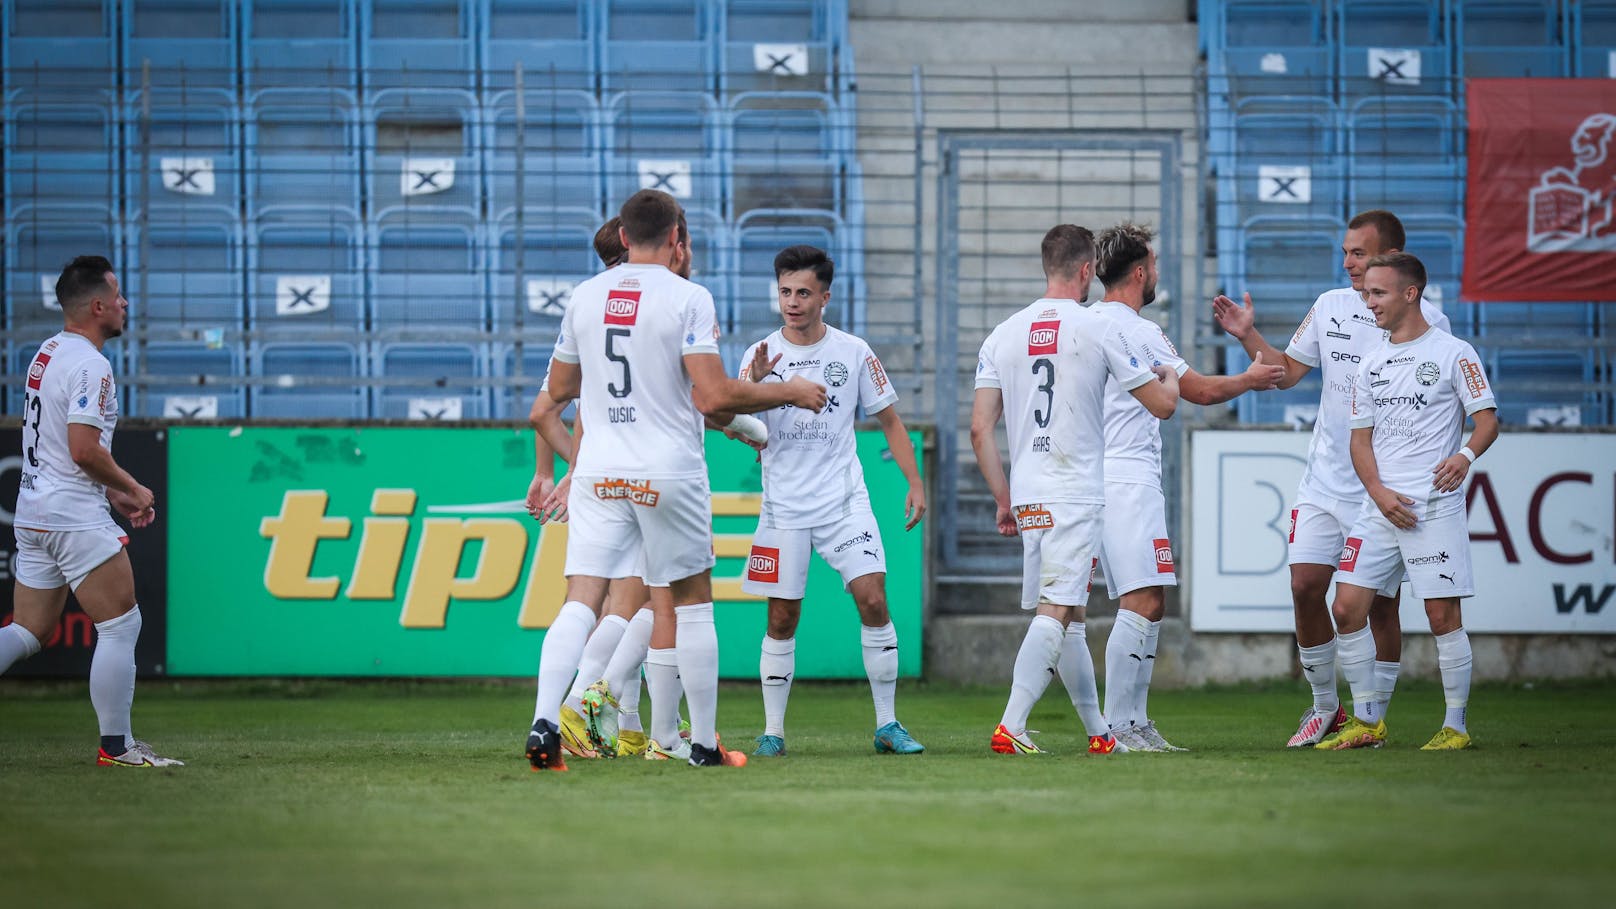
x=1045, y=371
x=1137, y=551
x=814, y=497
x=1333, y=338
x=637, y=342
x=66, y=538
x=1409, y=402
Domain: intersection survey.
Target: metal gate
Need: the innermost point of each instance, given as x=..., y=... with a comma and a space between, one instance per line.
x=998, y=193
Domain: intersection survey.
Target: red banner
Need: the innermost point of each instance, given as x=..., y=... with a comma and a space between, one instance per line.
x=1540, y=224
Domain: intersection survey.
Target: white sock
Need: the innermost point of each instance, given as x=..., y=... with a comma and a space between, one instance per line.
x=1453, y=657
x=1035, y=665
x=112, y=673
x=1318, y=666
x=1385, y=682
x=1356, y=653
x=775, y=669
x=1124, y=660
x=16, y=644
x=558, y=659
x=662, y=681
x=881, y=665
x=1077, y=674
x=597, y=652
x=698, y=670
x=622, y=673
x=1147, y=668
x=628, y=705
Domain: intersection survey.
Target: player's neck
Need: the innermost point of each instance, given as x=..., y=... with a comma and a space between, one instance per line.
x=89, y=333
x=1412, y=329
x=806, y=337
x=1129, y=297
x=1062, y=290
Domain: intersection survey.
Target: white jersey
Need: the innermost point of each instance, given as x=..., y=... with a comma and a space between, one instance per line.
x=1416, y=395
x=811, y=472
x=629, y=330
x=1132, y=434
x=69, y=381
x=1334, y=338
x=1053, y=362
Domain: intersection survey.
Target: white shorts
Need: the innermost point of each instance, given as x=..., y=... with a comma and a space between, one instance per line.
x=1435, y=552
x=778, y=566
x=1136, y=552
x=47, y=559
x=1319, y=531
x=1059, y=545
x=661, y=530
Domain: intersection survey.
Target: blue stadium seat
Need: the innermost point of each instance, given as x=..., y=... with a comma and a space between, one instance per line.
x=553, y=40
x=1439, y=243
x=1276, y=47
x=1595, y=36
x=194, y=158
x=1287, y=157
x=309, y=402
x=419, y=44
x=1535, y=320
x=759, y=236
x=302, y=148
x=39, y=241
x=1510, y=39
x=557, y=253
x=785, y=152
x=1369, y=27
x=665, y=45
x=69, y=46
x=423, y=151
x=311, y=44
x=444, y=374
x=60, y=152
x=780, y=45
x=189, y=43
x=193, y=275
x=305, y=274
x=1403, y=153
x=1552, y=379
x=511, y=402
x=426, y=273
x=1285, y=264
x=712, y=250
x=560, y=157
x=672, y=141
x=183, y=397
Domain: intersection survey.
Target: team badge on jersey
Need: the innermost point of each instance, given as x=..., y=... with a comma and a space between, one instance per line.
x=1042, y=338
x=622, y=307
x=36, y=371
x=1349, y=554
x=835, y=374
x=764, y=565
x=1164, y=556
x=1033, y=517
x=1428, y=373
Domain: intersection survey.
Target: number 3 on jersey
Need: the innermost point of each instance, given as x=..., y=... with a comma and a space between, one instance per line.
x=1041, y=415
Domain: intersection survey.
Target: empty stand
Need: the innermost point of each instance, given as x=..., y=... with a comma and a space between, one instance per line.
x=785, y=151
x=423, y=152
x=553, y=138
x=309, y=44
x=780, y=45
x=305, y=275
x=554, y=41
x=441, y=382
x=418, y=44
x=182, y=153
x=426, y=273
x=60, y=151
x=671, y=141
x=1510, y=39
x=68, y=46
x=181, y=42
x=303, y=148
x=194, y=392
x=557, y=253
x=662, y=45
x=186, y=275
x=300, y=399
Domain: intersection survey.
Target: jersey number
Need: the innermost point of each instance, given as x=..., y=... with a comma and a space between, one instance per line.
x=612, y=334
x=35, y=407
x=1041, y=416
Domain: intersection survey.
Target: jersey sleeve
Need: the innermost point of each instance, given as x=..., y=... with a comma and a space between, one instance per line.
x=1362, y=414
x=875, y=389
x=1129, y=371
x=89, y=392
x=566, y=345
x=987, y=372
x=1470, y=381
x=701, y=324
x=1164, y=351
x=1304, y=346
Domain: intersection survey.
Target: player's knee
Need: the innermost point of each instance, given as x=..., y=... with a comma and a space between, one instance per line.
x=1309, y=591
x=1345, y=613
x=872, y=609
x=1443, y=615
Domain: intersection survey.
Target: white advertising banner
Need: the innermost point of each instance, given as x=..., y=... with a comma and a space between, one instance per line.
x=1542, y=524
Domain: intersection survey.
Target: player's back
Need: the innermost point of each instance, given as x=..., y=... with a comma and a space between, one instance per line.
x=1132, y=433
x=628, y=329
x=69, y=381
x=1050, y=361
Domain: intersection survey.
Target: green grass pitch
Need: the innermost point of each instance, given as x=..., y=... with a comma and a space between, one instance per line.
x=410, y=795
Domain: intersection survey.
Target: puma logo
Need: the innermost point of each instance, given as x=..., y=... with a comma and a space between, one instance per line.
x=1446, y=577
x=777, y=678
x=889, y=648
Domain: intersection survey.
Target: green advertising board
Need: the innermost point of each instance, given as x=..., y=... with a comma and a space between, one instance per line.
x=407, y=552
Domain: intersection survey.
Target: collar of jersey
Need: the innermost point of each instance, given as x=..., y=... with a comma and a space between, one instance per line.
x=1399, y=345
x=814, y=346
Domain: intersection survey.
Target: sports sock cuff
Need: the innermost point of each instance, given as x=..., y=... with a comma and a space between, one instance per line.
x=666, y=656
x=1077, y=630
x=30, y=644
x=779, y=648
x=1453, y=649
x=882, y=636
x=575, y=608
x=1133, y=620
x=1050, y=622
x=617, y=620
x=697, y=614
x=1387, y=666
x=1320, y=652
x=128, y=623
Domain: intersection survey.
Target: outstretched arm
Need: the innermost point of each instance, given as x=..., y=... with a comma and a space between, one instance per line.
x=1259, y=376
x=1240, y=322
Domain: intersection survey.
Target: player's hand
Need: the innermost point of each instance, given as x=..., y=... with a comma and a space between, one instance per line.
x=761, y=366
x=536, y=491
x=1395, y=507
x=125, y=505
x=1165, y=373
x=914, y=507
x=744, y=439
x=137, y=501
x=806, y=394
x=1005, y=521
x=1233, y=318
x=1450, y=474
x=555, y=504
x=1262, y=376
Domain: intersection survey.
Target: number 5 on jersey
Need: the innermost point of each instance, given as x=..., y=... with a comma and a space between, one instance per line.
x=622, y=308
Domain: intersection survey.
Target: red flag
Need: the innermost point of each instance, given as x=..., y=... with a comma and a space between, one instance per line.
x=1540, y=219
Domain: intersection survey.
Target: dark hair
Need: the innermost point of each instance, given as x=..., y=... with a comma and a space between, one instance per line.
x=81, y=279
x=648, y=215
x=1118, y=249
x=1387, y=227
x=608, y=245
x=797, y=258
x=1407, y=265
x=1066, y=247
